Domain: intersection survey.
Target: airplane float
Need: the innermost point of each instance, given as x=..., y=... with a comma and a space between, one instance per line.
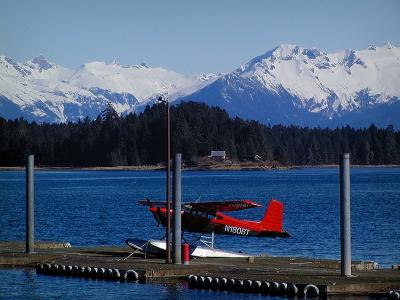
x=208, y=218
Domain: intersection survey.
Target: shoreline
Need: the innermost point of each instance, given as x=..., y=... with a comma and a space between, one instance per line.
x=236, y=167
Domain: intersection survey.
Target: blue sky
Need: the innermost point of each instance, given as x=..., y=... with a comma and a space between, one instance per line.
x=190, y=37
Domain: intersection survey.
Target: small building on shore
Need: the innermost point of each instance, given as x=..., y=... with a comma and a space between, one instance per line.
x=218, y=155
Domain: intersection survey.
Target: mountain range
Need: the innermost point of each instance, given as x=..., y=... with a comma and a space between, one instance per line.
x=287, y=85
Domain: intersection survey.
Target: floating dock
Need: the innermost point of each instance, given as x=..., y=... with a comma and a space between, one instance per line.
x=288, y=276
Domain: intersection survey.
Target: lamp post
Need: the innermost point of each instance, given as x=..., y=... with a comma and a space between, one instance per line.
x=167, y=171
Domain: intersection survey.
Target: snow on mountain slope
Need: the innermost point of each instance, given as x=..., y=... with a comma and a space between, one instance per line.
x=310, y=83
x=38, y=89
x=41, y=90
x=140, y=80
x=328, y=82
x=289, y=85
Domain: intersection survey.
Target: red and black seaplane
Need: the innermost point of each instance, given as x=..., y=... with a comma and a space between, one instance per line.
x=207, y=217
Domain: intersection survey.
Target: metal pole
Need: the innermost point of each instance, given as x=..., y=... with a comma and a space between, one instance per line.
x=345, y=233
x=29, y=196
x=168, y=202
x=177, y=187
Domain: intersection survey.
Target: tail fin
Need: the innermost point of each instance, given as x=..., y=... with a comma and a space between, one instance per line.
x=272, y=219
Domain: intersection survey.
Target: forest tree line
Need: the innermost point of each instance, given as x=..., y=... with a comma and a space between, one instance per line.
x=196, y=129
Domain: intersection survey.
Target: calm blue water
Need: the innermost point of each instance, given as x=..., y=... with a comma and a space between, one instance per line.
x=25, y=284
x=99, y=208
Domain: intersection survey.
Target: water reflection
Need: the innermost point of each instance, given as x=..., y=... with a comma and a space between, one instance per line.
x=26, y=284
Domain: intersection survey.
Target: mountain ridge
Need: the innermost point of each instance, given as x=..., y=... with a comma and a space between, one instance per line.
x=288, y=84
x=46, y=92
x=317, y=88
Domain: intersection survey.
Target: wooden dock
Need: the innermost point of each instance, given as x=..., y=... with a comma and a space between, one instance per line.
x=278, y=275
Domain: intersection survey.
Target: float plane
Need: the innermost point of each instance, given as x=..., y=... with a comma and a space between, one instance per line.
x=207, y=217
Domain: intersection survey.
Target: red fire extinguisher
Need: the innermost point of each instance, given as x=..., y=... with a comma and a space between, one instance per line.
x=185, y=253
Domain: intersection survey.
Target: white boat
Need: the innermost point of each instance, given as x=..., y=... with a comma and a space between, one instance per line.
x=158, y=247
x=200, y=251
x=153, y=247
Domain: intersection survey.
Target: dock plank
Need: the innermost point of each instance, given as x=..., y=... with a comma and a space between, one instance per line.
x=301, y=271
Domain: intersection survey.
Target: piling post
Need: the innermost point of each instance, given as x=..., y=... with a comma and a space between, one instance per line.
x=29, y=196
x=345, y=231
x=177, y=230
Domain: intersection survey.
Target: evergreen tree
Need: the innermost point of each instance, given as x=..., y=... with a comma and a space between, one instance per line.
x=196, y=129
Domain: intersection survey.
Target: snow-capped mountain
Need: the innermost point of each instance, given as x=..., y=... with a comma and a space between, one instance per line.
x=139, y=80
x=43, y=91
x=294, y=85
x=288, y=85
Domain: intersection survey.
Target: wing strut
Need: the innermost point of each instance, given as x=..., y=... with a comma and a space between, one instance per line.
x=208, y=240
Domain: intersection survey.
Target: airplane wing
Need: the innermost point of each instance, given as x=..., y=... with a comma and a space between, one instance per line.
x=148, y=202
x=208, y=206
x=229, y=205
